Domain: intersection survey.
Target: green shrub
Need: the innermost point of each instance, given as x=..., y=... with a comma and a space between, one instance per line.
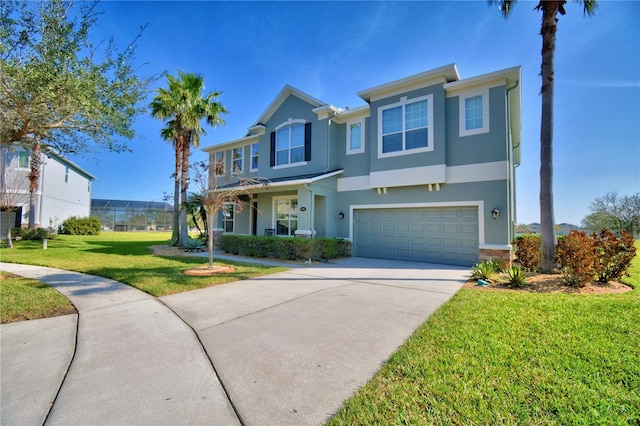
x=34, y=234
x=576, y=255
x=516, y=276
x=615, y=254
x=528, y=251
x=89, y=225
x=487, y=270
x=287, y=248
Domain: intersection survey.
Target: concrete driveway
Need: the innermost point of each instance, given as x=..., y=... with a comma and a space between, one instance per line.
x=291, y=347
x=286, y=348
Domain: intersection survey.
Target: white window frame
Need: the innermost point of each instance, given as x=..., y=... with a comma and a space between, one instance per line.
x=256, y=155
x=215, y=162
x=463, y=112
x=225, y=206
x=349, y=124
x=234, y=160
x=403, y=102
x=290, y=123
x=275, y=215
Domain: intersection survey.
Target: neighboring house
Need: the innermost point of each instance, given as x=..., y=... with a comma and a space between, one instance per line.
x=424, y=171
x=64, y=189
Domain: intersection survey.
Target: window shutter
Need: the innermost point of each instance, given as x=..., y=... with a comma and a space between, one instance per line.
x=307, y=142
x=272, y=154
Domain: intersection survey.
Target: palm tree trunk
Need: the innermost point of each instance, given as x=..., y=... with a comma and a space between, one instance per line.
x=184, y=231
x=547, y=221
x=175, y=232
x=34, y=178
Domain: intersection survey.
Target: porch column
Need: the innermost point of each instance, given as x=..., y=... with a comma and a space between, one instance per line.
x=305, y=212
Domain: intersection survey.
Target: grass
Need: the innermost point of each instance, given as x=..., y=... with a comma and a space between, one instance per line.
x=126, y=257
x=25, y=299
x=513, y=358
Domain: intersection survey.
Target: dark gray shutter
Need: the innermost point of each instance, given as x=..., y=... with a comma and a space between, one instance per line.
x=272, y=154
x=307, y=142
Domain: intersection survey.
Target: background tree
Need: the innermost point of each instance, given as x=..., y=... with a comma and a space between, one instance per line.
x=57, y=88
x=218, y=189
x=184, y=104
x=550, y=10
x=615, y=213
x=195, y=208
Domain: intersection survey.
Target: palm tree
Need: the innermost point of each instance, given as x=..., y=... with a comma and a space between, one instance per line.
x=169, y=133
x=184, y=103
x=550, y=10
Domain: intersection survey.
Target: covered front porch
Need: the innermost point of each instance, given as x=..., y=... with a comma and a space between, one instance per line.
x=298, y=206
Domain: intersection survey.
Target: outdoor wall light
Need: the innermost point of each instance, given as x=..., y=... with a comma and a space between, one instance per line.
x=340, y=215
x=495, y=213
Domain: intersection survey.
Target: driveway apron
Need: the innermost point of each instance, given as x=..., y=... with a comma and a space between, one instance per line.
x=292, y=346
x=135, y=362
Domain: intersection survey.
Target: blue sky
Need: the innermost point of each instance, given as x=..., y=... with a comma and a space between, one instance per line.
x=331, y=50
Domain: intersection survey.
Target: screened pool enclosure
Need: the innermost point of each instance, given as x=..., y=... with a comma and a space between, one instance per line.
x=125, y=215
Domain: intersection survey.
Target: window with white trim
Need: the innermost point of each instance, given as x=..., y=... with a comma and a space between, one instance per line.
x=405, y=127
x=237, y=163
x=474, y=113
x=291, y=144
x=254, y=156
x=285, y=212
x=218, y=165
x=229, y=218
x=23, y=160
x=355, y=137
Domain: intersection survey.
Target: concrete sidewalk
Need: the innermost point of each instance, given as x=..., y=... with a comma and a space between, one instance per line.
x=135, y=362
x=289, y=348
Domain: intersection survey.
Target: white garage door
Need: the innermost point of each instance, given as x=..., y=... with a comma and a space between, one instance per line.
x=446, y=235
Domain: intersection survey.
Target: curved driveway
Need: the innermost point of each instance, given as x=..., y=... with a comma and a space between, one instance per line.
x=286, y=348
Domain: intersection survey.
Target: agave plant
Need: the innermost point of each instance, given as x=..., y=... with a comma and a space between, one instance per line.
x=516, y=276
x=487, y=270
x=193, y=245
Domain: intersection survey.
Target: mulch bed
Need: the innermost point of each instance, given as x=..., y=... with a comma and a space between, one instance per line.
x=554, y=283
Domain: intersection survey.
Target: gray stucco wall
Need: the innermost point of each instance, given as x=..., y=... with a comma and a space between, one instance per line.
x=481, y=148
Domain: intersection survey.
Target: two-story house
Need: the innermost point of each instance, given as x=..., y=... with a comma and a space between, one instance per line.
x=64, y=188
x=423, y=171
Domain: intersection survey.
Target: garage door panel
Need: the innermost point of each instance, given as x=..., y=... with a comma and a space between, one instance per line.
x=404, y=227
x=444, y=235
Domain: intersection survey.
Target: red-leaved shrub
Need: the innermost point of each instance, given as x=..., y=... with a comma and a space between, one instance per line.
x=614, y=254
x=576, y=255
x=528, y=251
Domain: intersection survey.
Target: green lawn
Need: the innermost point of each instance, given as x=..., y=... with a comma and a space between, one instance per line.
x=25, y=299
x=490, y=358
x=126, y=257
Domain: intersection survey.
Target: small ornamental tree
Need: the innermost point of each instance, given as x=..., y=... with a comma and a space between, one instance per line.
x=218, y=189
x=11, y=193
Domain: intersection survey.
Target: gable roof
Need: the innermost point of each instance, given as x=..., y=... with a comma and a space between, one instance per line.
x=445, y=74
x=282, y=96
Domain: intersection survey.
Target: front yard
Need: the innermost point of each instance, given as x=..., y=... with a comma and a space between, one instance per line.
x=485, y=357
x=508, y=357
